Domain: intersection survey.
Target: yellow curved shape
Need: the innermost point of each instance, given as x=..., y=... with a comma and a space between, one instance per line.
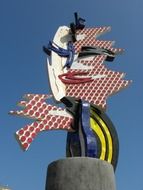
x=96, y=128
x=110, y=143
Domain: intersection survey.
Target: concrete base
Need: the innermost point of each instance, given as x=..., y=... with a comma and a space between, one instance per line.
x=80, y=173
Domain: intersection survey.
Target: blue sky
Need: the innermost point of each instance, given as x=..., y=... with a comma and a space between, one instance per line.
x=25, y=26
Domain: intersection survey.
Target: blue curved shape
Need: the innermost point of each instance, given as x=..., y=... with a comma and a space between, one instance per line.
x=90, y=139
x=68, y=53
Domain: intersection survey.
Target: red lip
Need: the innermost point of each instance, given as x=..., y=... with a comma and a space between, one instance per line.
x=70, y=78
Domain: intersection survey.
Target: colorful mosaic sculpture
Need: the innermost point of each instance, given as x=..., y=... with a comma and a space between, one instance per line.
x=80, y=80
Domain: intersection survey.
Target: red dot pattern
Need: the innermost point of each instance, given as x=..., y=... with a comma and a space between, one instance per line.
x=90, y=38
x=98, y=90
x=44, y=120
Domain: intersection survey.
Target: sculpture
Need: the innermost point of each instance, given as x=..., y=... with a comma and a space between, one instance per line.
x=78, y=79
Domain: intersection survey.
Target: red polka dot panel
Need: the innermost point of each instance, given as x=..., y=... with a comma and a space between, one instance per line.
x=36, y=108
x=98, y=90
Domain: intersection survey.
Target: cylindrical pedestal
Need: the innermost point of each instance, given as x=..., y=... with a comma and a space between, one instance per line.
x=80, y=173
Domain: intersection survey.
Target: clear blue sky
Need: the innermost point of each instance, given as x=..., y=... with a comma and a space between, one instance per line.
x=25, y=26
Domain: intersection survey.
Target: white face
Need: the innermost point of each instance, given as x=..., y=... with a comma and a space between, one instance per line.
x=55, y=67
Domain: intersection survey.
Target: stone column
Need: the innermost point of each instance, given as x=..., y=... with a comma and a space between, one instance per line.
x=80, y=173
